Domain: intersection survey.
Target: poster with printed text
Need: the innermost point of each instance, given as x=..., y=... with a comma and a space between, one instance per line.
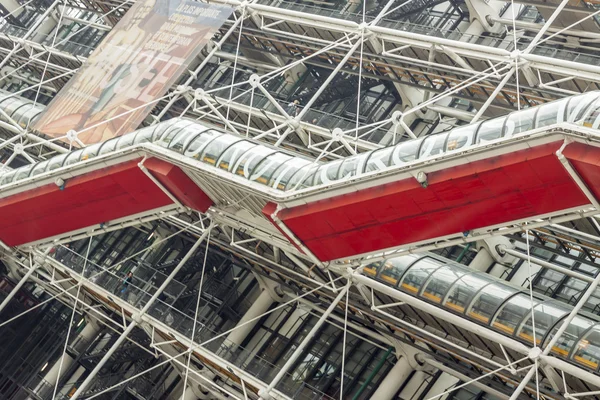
x=136, y=64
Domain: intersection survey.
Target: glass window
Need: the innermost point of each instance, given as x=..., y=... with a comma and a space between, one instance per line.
x=393, y=268
x=250, y=159
x=281, y=177
x=144, y=135
x=433, y=145
x=440, y=281
x=197, y=145
x=39, y=168
x=513, y=312
x=417, y=274
x=171, y=132
x=212, y=152
x=371, y=269
x=587, y=352
x=593, y=118
x=56, y=162
x=545, y=316
x=405, y=152
x=464, y=289
x=379, y=159
x=461, y=137
x=23, y=172
x=231, y=155
x=7, y=177
x=125, y=141
x=305, y=174
x=73, y=157
x=327, y=172
x=551, y=113
x=90, y=151
x=178, y=142
x=490, y=130
x=352, y=166
x=108, y=146
x=263, y=171
x=578, y=105
x=574, y=331
x=486, y=302
x=520, y=121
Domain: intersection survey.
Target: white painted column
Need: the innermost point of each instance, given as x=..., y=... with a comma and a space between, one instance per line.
x=390, y=385
x=260, y=306
x=443, y=383
x=11, y=6
x=482, y=260
x=189, y=394
x=52, y=376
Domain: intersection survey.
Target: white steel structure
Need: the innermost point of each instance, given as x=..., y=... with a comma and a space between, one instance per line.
x=340, y=199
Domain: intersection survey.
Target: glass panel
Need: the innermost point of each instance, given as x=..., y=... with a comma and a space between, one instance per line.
x=327, y=172
x=56, y=162
x=108, y=146
x=393, y=268
x=520, y=121
x=440, y=281
x=486, y=302
x=593, y=119
x=463, y=290
x=286, y=171
x=417, y=274
x=125, y=141
x=7, y=178
x=39, y=168
x=545, y=316
x=212, y=152
x=490, y=130
x=90, y=151
x=587, y=352
x=551, y=113
x=352, y=166
x=197, y=145
x=230, y=156
x=567, y=341
x=433, y=145
x=23, y=172
x=372, y=269
x=513, y=312
x=250, y=159
x=74, y=156
x=461, y=137
x=185, y=137
x=267, y=167
x=303, y=174
x=578, y=105
x=379, y=159
x=171, y=132
x=405, y=152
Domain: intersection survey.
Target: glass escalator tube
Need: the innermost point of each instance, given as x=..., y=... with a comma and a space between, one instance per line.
x=242, y=156
x=492, y=302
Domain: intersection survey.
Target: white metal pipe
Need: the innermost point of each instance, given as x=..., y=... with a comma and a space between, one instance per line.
x=137, y=318
x=265, y=393
x=546, y=264
x=17, y=287
x=490, y=99
x=575, y=176
x=481, y=386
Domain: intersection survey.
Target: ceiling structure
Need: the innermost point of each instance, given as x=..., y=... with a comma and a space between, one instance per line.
x=433, y=193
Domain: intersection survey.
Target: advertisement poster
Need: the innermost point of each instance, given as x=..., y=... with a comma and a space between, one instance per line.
x=137, y=62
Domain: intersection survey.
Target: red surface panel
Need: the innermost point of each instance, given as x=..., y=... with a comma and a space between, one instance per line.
x=489, y=192
x=179, y=184
x=90, y=199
